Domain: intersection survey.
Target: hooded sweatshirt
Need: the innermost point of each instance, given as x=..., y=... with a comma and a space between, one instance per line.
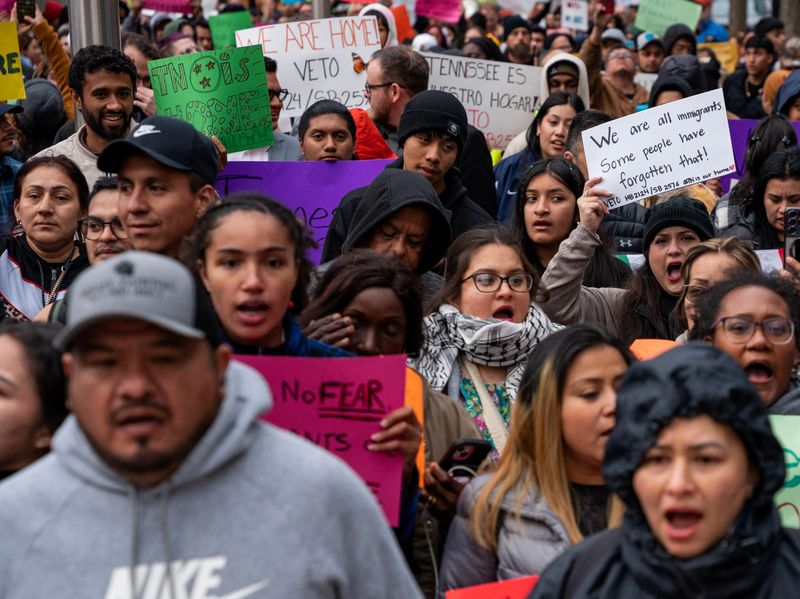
x=520, y=141
x=787, y=92
x=253, y=511
x=388, y=15
x=755, y=559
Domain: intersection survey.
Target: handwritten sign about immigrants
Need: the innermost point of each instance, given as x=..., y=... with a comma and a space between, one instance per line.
x=661, y=149
x=318, y=60
x=500, y=98
x=312, y=190
x=220, y=92
x=338, y=403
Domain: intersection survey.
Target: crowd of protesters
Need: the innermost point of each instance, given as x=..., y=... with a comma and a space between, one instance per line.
x=133, y=457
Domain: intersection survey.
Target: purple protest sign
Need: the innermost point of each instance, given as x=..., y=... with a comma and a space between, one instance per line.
x=312, y=190
x=740, y=133
x=181, y=6
x=338, y=403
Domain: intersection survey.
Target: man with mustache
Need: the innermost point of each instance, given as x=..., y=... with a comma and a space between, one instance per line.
x=8, y=166
x=103, y=84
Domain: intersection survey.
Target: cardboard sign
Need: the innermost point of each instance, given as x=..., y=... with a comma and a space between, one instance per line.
x=661, y=149
x=575, y=14
x=448, y=11
x=516, y=588
x=338, y=403
x=312, y=190
x=220, y=92
x=658, y=15
x=318, y=60
x=787, y=430
x=179, y=6
x=12, y=86
x=224, y=26
x=500, y=98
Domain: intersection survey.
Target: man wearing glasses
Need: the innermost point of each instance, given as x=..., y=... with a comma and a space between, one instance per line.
x=102, y=229
x=285, y=148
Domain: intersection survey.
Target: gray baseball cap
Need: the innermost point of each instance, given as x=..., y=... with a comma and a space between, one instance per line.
x=139, y=285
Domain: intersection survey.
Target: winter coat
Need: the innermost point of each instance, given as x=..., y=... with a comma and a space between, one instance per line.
x=605, y=95
x=745, y=227
x=756, y=559
x=253, y=511
x=737, y=101
x=625, y=226
x=674, y=33
x=522, y=550
x=789, y=402
x=507, y=174
x=787, y=93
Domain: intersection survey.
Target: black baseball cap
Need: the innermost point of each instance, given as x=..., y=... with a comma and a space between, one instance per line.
x=169, y=141
x=4, y=108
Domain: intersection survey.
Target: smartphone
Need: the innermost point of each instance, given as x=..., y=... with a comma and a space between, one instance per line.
x=25, y=8
x=791, y=234
x=462, y=458
x=608, y=6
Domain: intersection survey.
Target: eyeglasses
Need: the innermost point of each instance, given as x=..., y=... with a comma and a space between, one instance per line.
x=92, y=228
x=368, y=87
x=489, y=282
x=694, y=293
x=740, y=329
x=620, y=56
x=281, y=94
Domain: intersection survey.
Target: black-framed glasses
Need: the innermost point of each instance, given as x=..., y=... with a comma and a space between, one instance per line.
x=694, y=293
x=489, y=282
x=740, y=329
x=281, y=94
x=92, y=228
x=368, y=87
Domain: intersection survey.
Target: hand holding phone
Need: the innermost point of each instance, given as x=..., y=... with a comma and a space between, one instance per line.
x=791, y=234
x=464, y=456
x=25, y=8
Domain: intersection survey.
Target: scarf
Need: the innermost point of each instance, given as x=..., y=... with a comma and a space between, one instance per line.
x=484, y=341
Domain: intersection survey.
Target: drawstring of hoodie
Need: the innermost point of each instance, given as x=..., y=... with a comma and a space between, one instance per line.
x=134, y=557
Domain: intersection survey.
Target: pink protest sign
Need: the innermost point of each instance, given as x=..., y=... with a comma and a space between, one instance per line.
x=338, y=403
x=181, y=6
x=516, y=588
x=448, y=11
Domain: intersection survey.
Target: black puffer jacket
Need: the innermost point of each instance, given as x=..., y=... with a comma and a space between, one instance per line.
x=756, y=559
x=625, y=226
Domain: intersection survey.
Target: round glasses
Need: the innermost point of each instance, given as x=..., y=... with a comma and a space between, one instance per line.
x=92, y=228
x=740, y=329
x=489, y=282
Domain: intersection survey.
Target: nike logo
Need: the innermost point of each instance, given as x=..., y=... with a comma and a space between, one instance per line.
x=511, y=193
x=247, y=591
x=142, y=130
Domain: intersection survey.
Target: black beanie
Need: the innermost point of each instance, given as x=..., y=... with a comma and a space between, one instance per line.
x=434, y=110
x=512, y=22
x=680, y=211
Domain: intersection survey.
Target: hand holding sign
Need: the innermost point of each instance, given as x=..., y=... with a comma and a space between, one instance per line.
x=400, y=432
x=591, y=207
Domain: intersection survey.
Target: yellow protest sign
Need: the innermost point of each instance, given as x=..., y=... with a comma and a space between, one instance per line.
x=11, y=85
x=727, y=53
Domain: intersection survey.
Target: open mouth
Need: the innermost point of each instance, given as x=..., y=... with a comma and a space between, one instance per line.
x=503, y=313
x=759, y=372
x=252, y=311
x=674, y=271
x=683, y=523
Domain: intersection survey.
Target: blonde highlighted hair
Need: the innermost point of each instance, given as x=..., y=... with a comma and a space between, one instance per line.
x=534, y=454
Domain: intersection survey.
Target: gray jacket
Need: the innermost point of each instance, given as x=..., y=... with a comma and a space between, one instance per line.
x=789, y=403
x=522, y=549
x=253, y=511
x=568, y=301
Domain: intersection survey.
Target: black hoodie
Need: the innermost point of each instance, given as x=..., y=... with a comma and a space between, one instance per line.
x=461, y=212
x=756, y=559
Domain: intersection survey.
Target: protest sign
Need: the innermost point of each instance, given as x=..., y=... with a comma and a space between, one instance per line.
x=402, y=23
x=448, y=11
x=575, y=14
x=646, y=80
x=338, y=403
x=516, y=588
x=318, y=60
x=179, y=6
x=726, y=52
x=312, y=190
x=658, y=15
x=661, y=149
x=11, y=84
x=224, y=26
x=220, y=92
x=499, y=97
x=787, y=431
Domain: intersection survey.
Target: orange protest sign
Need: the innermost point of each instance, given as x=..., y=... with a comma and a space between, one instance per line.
x=647, y=349
x=516, y=588
x=401, y=21
x=413, y=400
x=11, y=84
x=727, y=53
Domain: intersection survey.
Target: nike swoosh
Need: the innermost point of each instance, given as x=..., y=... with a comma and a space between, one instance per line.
x=511, y=193
x=247, y=591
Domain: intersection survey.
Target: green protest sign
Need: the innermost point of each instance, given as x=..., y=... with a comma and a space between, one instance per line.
x=223, y=27
x=658, y=15
x=787, y=431
x=221, y=92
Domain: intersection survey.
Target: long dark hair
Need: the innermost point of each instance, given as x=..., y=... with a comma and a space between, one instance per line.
x=781, y=165
x=252, y=202
x=358, y=270
x=555, y=99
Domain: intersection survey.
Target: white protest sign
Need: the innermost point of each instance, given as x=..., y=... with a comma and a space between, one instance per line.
x=499, y=97
x=646, y=80
x=661, y=148
x=318, y=60
x=575, y=14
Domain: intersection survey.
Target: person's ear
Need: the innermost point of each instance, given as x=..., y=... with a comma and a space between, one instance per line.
x=205, y=198
x=76, y=99
x=571, y=157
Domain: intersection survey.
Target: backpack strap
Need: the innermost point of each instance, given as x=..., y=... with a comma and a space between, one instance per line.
x=593, y=551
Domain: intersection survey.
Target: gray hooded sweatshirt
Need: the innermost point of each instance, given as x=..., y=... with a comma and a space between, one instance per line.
x=253, y=511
